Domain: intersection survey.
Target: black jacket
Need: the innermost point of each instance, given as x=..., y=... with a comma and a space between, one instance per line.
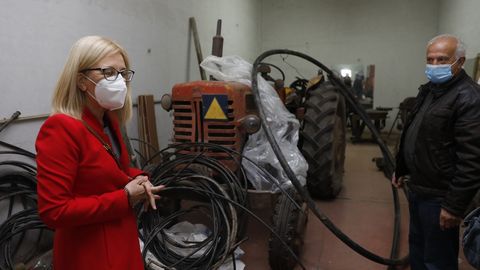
x=447, y=148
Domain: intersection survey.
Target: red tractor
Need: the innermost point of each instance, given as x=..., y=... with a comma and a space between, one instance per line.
x=225, y=113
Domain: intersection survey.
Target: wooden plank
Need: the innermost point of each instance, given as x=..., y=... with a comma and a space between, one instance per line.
x=147, y=127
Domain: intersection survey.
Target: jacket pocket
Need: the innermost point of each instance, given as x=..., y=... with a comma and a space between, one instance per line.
x=437, y=125
x=441, y=158
x=442, y=113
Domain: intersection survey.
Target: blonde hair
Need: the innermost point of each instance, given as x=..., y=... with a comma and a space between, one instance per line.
x=85, y=53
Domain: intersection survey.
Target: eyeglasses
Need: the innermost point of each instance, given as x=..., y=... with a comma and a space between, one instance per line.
x=111, y=74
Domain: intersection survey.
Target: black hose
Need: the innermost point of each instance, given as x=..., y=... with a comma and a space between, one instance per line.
x=389, y=167
x=18, y=149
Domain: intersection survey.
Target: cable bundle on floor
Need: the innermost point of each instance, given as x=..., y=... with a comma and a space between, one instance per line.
x=22, y=235
x=220, y=195
x=190, y=177
x=16, y=226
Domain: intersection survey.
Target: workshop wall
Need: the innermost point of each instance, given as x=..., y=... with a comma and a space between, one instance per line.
x=462, y=18
x=390, y=34
x=36, y=35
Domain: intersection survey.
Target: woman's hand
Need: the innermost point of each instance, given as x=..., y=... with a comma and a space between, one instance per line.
x=140, y=189
x=150, y=191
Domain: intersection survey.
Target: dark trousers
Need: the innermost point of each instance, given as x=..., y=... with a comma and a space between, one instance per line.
x=430, y=247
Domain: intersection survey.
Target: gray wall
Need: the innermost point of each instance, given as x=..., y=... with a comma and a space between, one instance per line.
x=36, y=35
x=462, y=18
x=390, y=34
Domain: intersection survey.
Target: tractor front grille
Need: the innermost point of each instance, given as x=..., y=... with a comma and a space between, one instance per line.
x=183, y=121
x=189, y=126
x=222, y=132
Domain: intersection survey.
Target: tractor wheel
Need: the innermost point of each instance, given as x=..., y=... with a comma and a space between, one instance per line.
x=323, y=141
x=289, y=223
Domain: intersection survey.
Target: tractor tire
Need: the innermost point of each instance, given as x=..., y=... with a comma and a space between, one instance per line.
x=323, y=141
x=289, y=223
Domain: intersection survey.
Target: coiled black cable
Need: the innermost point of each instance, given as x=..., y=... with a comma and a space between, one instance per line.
x=226, y=204
x=389, y=167
x=18, y=150
x=18, y=183
x=17, y=186
x=237, y=157
x=181, y=170
x=137, y=152
x=18, y=224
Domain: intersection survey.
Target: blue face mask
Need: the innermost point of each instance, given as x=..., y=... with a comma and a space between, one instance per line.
x=439, y=73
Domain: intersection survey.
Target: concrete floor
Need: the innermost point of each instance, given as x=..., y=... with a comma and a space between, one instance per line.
x=363, y=210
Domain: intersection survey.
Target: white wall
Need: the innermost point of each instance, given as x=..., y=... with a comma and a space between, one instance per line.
x=391, y=34
x=36, y=35
x=461, y=18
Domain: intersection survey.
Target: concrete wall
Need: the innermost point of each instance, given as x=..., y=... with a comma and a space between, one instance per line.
x=462, y=18
x=390, y=34
x=36, y=35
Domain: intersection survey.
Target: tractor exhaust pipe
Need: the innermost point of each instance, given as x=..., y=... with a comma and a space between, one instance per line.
x=217, y=44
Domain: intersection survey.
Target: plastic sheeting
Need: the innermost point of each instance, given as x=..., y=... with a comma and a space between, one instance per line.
x=283, y=124
x=185, y=233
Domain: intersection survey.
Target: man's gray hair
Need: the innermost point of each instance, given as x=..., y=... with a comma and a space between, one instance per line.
x=460, y=50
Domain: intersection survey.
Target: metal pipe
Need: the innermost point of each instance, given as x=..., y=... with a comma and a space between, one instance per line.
x=198, y=48
x=217, y=44
x=12, y=118
x=27, y=118
x=45, y=116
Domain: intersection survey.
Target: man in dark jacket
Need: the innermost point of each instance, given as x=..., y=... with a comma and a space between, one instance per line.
x=439, y=156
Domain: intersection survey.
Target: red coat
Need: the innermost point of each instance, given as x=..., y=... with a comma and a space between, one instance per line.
x=81, y=196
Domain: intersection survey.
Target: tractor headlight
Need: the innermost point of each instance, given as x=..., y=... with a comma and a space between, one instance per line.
x=166, y=102
x=250, y=123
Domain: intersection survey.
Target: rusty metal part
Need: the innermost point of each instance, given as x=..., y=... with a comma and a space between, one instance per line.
x=281, y=91
x=217, y=44
x=263, y=68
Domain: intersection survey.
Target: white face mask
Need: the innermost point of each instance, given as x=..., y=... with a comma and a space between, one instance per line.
x=110, y=94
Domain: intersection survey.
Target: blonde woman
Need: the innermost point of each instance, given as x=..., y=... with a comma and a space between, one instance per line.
x=86, y=188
